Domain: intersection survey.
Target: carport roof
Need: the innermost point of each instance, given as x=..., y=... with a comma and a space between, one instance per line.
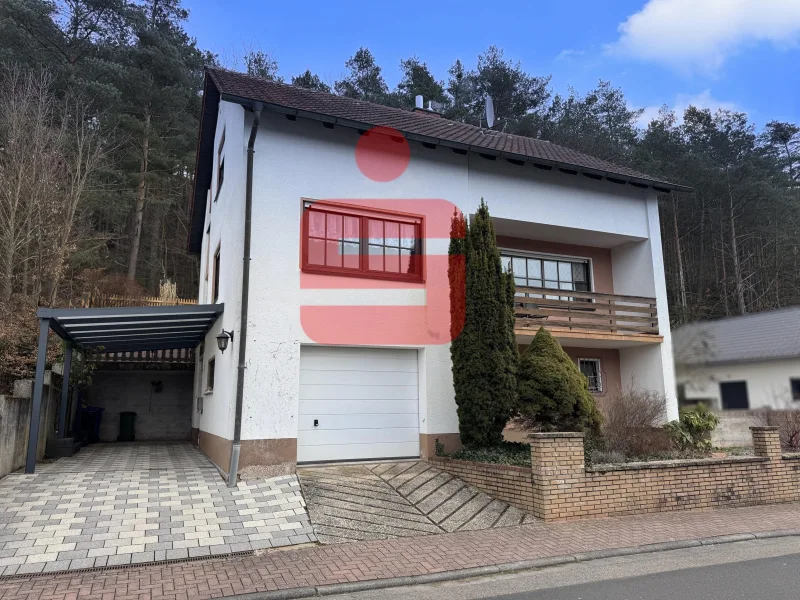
x=133, y=328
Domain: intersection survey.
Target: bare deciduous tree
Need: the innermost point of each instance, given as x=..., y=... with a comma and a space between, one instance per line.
x=49, y=149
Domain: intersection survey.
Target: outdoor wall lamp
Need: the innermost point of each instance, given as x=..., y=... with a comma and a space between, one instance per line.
x=222, y=340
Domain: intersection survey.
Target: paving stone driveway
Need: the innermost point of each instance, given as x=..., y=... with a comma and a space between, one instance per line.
x=389, y=500
x=114, y=504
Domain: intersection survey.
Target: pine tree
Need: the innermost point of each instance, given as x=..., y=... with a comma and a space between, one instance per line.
x=364, y=80
x=310, y=81
x=417, y=79
x=484, y=355
x=553, y=393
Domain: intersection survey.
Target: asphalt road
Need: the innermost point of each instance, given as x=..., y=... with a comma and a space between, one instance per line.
x=765, y=578
x=753, y=570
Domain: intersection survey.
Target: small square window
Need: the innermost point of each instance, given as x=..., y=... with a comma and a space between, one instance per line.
x=590, y=367
x=794, y=383
x=210, y=375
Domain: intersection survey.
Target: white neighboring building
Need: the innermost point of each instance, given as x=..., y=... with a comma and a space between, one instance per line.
x=747, y=362
x=565, y=221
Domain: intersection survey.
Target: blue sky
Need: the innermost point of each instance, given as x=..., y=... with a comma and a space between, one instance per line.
x=740, y=54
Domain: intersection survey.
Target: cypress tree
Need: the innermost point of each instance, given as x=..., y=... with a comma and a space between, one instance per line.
x=484, y=354
x=553, y=392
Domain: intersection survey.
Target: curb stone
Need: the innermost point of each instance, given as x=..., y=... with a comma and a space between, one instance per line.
x=526, y=565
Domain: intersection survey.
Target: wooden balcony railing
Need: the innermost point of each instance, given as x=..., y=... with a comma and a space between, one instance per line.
x=585, y=311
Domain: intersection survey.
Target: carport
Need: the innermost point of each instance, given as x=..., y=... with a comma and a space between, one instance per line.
x=127, y=329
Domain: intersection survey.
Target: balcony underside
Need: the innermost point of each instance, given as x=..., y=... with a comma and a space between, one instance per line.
x=589, y=339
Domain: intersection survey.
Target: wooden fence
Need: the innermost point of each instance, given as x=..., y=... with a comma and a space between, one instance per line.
x=96, y=300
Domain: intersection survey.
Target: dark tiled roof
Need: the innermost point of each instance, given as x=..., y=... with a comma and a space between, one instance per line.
x=221, y=84
x=416, y=125
x=768, y=335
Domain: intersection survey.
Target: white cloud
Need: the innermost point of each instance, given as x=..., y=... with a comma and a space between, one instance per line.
x=569, y=54
x=701, y=34
x=683, y=101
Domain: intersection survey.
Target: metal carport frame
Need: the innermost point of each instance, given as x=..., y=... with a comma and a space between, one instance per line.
x=125, y=329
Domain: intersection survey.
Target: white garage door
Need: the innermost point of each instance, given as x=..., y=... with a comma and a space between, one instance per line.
x=357, y=403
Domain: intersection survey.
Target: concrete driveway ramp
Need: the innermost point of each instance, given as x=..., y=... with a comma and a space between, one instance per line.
x=398, y=499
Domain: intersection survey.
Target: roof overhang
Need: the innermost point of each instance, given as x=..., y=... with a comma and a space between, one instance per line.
x=133, y=328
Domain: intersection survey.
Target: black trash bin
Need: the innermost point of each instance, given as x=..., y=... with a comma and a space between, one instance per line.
x=127, y=420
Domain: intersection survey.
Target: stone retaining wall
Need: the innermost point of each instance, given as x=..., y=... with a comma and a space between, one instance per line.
x=504, y=482
x=560, y=487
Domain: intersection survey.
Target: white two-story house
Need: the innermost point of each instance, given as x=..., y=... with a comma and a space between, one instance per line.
x=348, y=208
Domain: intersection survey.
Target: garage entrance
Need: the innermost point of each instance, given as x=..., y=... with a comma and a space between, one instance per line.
x=125, y=334
x=357, y=404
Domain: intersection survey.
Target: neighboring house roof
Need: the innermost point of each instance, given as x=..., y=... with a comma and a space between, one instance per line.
x=230, y=86
x=766, y=335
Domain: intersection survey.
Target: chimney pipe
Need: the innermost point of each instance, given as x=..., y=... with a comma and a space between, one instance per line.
x=420, y=102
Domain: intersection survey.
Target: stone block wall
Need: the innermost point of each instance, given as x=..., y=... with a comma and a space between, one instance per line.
x=560, y=487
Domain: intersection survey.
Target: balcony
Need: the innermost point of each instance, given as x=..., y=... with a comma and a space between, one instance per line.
x=621, y=320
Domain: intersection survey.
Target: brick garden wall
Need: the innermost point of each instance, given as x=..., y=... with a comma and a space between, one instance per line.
x=560, y=487
x=504, y=482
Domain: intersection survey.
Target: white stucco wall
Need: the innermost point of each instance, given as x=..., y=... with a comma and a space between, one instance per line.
x=226, y=223
x=302, y=159
x=767, y=382
x=638, y=270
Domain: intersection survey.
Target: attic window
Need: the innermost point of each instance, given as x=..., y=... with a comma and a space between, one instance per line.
x=220, y=165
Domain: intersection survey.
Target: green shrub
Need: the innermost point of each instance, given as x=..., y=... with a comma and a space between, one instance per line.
x=439, y=448
x=505, y=453
x=484, y=352
x=692, y=430
x=553, y=394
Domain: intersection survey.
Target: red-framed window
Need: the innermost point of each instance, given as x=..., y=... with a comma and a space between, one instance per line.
x=343, y=240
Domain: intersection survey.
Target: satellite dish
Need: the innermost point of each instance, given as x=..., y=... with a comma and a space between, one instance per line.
x=489, y=112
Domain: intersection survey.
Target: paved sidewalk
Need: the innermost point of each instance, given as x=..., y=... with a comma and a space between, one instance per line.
x=380, y=559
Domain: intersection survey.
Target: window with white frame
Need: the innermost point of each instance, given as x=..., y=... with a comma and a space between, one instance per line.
x=590, y=367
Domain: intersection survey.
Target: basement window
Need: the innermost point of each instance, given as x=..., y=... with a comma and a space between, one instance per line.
x=590, y=367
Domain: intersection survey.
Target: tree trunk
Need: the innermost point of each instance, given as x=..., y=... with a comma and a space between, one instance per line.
x=724, y=279
x=141, y=197
x=737, y=266
x=679, y=256
x=789, y=161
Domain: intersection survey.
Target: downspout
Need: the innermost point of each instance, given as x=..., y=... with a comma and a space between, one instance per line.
x=248, y=217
